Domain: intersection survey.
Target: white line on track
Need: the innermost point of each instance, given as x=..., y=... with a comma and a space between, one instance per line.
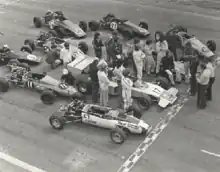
x=19, y=163
x=211, y=153
x=142, y=148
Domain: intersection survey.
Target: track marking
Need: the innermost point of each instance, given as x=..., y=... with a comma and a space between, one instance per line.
x=19, y=163
x=153, y=135
x=211, y=153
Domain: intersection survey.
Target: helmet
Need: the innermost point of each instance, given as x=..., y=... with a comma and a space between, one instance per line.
x=66, y=44
x=5, y=46
x=126, y=72
x=110, y=15
x=211, y=45
x=65, y=71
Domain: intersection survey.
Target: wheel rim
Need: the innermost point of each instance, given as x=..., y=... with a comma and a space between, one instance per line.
x=56, y=123
x=116, y=137
x=82, y=88
x=144, y=104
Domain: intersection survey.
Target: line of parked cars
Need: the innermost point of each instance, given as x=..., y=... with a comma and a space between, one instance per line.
x=61, y=30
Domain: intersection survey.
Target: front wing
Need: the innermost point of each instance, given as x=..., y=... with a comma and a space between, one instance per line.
x=168, y=97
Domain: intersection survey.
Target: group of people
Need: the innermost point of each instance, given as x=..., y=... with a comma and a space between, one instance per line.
x=157, y=59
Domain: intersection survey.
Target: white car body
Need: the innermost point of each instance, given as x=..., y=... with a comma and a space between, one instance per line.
x=112, y=119
x=164, y=97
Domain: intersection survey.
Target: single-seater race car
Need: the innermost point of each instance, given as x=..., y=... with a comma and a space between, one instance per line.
x=127, y=28
x=118, y=122
x=49, y=87
x=54, y=45
x=179, y=36
x=61, y=26
x=23, y=56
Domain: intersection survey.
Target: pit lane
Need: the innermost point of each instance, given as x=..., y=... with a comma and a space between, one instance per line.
x=24, y=122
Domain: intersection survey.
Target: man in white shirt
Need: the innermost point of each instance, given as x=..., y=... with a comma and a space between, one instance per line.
x=212, y=79
x=66, y=54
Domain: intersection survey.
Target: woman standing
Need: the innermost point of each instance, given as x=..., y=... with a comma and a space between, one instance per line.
x=97, y=45
x=103, y=84
x=161, y=48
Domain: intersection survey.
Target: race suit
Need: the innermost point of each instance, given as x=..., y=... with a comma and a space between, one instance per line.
x=126, y=84
x=138, y=57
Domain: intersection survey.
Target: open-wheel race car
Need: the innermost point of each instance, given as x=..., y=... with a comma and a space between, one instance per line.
x=178, y=37
x=60, y=26
x=49, y=87
x=117, y=121
x=53, y=46
x=23, y=56
x=127, y=28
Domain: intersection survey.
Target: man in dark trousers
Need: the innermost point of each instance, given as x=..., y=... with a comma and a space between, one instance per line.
x=95, y=82
x=114, y=48
x=97, y=45
x=203, y=77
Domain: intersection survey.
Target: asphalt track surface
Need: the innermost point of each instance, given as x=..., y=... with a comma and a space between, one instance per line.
x=189, y=143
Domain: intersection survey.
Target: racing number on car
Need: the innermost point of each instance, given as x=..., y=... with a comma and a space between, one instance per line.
x=156, y=90
x=30, y=84
x=113, y=25
x=86, y=116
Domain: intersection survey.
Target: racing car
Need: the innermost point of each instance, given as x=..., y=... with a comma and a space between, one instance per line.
x=23, y=56
x=185, y=41
x=118, y=122
x=49, y=87
x=54, y=45
x=127, y=28
x=60, y=26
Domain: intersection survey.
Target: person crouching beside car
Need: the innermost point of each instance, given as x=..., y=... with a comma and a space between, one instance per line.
x=67, y=77
x=168, y=68
x=103, y=84
x=93, y=74
x=66, y=54
x=97, y=45
x=127, y=85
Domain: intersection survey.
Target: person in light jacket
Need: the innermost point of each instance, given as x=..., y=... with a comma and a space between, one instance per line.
x=161, y=48
x=103, y=85
x=212, y=78
x=127, y=85
x=138, y=57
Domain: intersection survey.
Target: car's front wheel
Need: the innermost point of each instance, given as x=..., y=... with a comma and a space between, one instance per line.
x=117, y=135
x=48, y=97
x=93, y=25
x=4, y=85
x=83, y=88
x=57, y=122
x=144, y=103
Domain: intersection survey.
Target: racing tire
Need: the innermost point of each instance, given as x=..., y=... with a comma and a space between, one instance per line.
x=93, y=25
x=53, y=33
x=26, y=48
x=144, y=103
x=37, y=22
x=30, y=43
x=82, y=88
x=118, y=136
x=4, y=85
x=211, y=44
x=83, y=25
x=163, y=82
x=56, y=122
x=129, y=35
x=137, y=112
x=143, y=25
x=83, y=46
x=47, y=97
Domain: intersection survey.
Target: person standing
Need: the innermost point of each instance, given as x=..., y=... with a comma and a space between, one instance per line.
x=127, y=85
x=97, y=45
x=150, y=63
x=93, y=74
x=203, y=79
x=212, y=79
x=103, y=85
x=138, y=57
x=161, y=48
x=194, y=63
x=66, y=54
x=67, y=77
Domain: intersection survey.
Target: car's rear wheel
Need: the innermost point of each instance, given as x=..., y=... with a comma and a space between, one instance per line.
x=117, y=135
x=30, y=43
x=4, y=85
x=26, y=48
x=83, y=25
x=143, y=25
x=48, y=97
x=57, y=122
x=93, y=25
x=37, y=22
x=83, y=46
x=144, y=103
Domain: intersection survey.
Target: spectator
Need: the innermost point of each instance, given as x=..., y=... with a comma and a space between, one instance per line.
x=66, y=54
x=97, y=45
x=67, y=77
